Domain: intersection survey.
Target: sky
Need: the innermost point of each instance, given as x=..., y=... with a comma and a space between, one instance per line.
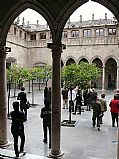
x=86, y=10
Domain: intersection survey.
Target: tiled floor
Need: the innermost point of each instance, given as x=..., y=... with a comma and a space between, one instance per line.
x=79, y=142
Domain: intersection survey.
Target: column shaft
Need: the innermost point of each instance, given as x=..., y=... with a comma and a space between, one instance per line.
x=117, y=85
x=3, y=113
x=56, y=102
x=103, y=79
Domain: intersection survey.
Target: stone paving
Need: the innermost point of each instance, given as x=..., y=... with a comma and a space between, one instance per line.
x=79, y=142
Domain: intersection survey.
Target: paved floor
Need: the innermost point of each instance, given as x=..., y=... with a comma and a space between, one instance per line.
x=79, y=142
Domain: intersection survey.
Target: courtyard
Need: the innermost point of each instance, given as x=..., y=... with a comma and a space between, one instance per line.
x=79, y=142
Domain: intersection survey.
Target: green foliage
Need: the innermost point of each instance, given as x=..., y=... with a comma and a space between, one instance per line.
x=79, y=75
x=17, y=74
x=47, y=72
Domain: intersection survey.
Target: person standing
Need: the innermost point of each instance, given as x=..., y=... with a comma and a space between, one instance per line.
x=71, y=97
x=45, y=92
x=90, y=97
x=114, y=109
x=103, y=106
x=46, y=115
x=17, y=128
x=96, y=106
x=65, y=98
x=23, y=101
x=78, y=101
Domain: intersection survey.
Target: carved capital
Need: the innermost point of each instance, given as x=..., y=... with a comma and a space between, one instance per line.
x=56, y=49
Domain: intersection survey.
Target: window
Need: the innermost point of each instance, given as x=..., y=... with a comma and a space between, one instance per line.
x=64, y=34
x=42, y=35
x=15, y=31
x=99, y=32
x=74, y=33
x=50, y=35
x=87, y=33
x=25, y=36
x=20, y=33
x=112, y=31
x=33, y=37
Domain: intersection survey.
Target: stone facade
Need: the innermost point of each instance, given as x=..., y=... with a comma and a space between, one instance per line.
x=94, y=41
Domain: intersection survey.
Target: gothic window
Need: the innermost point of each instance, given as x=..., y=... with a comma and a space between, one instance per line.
x=42, y=35
x=99, y=32
x=15, y=31
x=87, y=33
x=33, y=37
x=64, y=34
x=74, y=33
x=25, y=36
x=20, y=33
x=50, y=35
x=112, y=31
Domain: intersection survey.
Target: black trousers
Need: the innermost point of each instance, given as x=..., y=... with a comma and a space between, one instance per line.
x=45, y=129
x=114, y=117
x=16, y=136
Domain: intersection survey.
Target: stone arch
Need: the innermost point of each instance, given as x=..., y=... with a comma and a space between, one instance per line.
x=70, y=61
x=40, y=64
x=10, y=61
x=69, y=57
x=68, y=11
x=109, y=5
x=96, y=57
x=113, y=57
x=84, y=59
x=98, y=82
x=110, y=73
x=62, y=63
x=19, y=8
x=55, y=22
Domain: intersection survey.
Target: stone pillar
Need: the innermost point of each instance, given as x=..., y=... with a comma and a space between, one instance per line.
x=118, y=142
x=103, y=78
x=3, y=110
x=117, y=85
x=56, y=102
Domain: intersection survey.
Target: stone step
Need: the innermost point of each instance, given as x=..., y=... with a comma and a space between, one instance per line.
x=6, y=154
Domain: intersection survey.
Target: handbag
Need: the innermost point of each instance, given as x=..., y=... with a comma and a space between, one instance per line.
x=27, y=105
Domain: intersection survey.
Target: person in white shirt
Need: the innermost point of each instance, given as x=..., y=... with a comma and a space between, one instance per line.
x=71, y=101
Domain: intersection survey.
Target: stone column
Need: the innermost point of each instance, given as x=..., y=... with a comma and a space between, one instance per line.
x=117, y=85
x=118, y=142
x=56, y=102
x=3, y=110
x=103, y=78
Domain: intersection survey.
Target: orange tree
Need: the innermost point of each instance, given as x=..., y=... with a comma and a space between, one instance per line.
x=79, y=75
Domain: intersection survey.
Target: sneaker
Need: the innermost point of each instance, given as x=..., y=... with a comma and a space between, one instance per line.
x=23, y=152
x=98, y=129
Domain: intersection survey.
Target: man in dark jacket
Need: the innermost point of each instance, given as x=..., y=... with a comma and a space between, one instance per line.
x=96, y=106
x=46, y=115
x=17, y=128
x=23, y=99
